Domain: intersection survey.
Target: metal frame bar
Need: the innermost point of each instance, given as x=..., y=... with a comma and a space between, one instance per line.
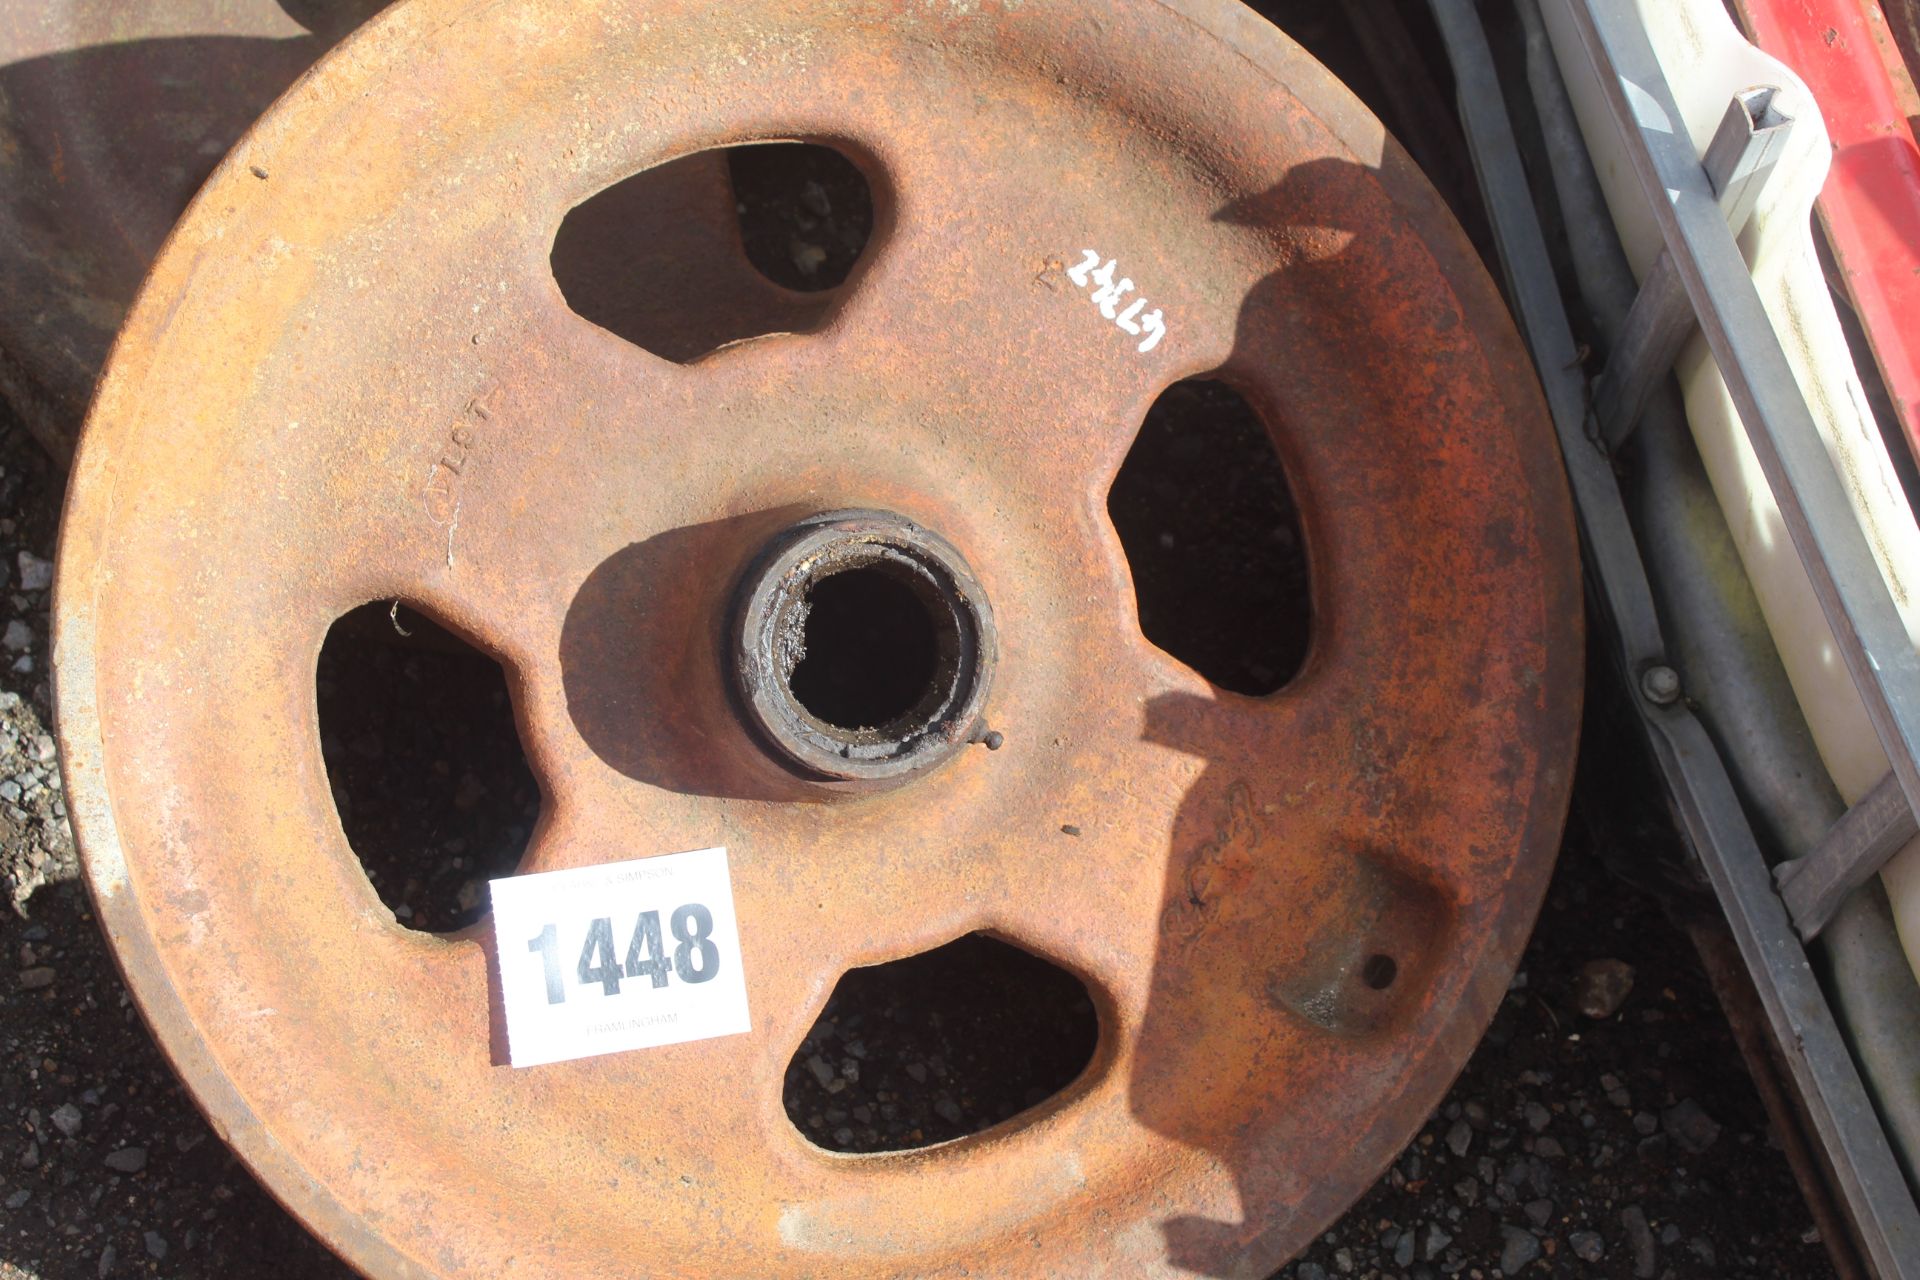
x=1871, y=636
x=1736, y=684
x=1870, y=1182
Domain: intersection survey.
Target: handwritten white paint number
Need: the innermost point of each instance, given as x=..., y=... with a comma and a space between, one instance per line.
x=1111, y=293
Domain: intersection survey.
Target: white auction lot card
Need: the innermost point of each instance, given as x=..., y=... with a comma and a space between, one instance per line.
x=628, y=955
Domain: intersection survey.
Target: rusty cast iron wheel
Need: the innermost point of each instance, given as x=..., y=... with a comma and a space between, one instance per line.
x=351, y=377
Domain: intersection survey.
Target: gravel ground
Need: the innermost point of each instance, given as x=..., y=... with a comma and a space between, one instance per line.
x=1628, y=1145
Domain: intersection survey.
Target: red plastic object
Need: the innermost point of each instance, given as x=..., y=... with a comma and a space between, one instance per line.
x=1870, y=206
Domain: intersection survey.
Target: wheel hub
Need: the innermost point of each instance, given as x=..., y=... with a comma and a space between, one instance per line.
x=863, y=648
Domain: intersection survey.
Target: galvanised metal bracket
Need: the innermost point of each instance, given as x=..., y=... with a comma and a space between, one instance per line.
x=1872, y=831
x=1712, y=276
x=1740, y=158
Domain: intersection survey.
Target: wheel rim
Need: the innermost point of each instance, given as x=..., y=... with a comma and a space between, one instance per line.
x=271, y=448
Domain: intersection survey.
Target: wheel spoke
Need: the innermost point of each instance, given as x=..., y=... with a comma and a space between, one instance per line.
x=976, y=325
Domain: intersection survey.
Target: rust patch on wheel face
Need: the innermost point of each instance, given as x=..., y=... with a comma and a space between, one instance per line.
x=354, y=379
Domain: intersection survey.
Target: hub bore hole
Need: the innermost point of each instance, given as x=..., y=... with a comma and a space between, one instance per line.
x=433, y=788
x=938, y=1046
x=1379, y=971
x=872, y=649
x=1213, y=539
x=678, y=258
